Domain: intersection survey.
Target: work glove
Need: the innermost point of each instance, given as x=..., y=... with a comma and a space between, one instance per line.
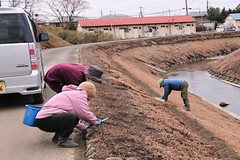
x=160, y=99
x=99, y=121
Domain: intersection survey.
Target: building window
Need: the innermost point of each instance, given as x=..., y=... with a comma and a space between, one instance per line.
x=126, y=30
x=91, y=30
x=188, y=24
x=180, y=27
x=163, y=26
x=153, y=27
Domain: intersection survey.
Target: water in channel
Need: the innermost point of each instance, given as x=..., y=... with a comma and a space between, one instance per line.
x=208, y=87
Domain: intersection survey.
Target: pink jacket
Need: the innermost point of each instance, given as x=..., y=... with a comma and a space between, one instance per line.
x=71, y=100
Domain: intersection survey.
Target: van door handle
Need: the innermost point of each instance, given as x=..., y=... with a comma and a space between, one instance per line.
x=22, y=65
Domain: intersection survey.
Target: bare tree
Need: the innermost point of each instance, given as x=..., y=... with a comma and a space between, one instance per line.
x=28, y=5
x=67, y=8
x=14, y=3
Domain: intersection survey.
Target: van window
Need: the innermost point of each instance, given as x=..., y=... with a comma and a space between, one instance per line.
x=34, y=30
x=14, y=28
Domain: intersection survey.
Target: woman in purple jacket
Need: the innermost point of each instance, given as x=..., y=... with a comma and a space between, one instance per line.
x=69, y=73
x=67, y=110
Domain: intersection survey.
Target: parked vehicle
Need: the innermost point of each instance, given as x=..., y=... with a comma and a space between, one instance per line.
x=220, y=28
x=20, y=54
x=232, y=28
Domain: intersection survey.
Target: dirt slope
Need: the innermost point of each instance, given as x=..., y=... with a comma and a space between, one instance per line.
x=54, y=41
x=227, y=68
x=140, y=126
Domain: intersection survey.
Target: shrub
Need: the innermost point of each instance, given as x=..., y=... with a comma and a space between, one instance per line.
x=75, y=37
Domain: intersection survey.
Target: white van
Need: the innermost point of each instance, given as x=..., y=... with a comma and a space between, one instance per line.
x=220, y=28
x=21, y=67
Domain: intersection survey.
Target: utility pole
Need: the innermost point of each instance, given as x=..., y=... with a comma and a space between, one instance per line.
x=140, y=13
x=0, y=3
x=101, y=13
x=207, y=5
x=186, y=7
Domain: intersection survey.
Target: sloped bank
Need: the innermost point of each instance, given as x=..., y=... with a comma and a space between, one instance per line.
x=53, y=42
x=208, y=45
x=174, y=51
x=227, y=69
x=140, y=126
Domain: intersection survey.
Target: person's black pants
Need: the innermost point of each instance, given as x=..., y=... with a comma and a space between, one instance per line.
x=62, y=124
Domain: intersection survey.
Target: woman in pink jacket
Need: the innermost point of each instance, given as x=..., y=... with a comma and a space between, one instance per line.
x=67, y=110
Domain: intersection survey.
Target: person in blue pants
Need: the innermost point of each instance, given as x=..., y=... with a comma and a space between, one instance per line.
x=177, y=85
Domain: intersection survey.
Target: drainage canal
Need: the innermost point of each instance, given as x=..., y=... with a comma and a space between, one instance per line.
x=208, y=87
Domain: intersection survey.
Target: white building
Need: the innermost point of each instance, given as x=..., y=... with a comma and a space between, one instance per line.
x=232, y=21
x=138, y=27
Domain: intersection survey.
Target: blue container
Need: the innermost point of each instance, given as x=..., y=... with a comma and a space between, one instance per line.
x=30, y=114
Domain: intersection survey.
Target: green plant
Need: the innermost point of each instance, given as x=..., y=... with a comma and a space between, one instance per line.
x=75, y=37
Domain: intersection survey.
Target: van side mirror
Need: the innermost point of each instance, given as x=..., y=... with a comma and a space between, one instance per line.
x=43, y=37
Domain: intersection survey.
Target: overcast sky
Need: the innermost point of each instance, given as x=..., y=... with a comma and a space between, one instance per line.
x=149, y=7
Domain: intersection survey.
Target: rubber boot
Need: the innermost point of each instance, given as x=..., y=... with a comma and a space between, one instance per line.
x=66, y=142
x=186, y=104
x=55, y=138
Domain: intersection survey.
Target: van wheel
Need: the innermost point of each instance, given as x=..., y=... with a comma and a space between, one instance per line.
x=38, y=98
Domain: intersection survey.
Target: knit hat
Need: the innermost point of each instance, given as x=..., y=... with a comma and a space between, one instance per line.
x=94, y=73
x=159, y=82
x=89, y=88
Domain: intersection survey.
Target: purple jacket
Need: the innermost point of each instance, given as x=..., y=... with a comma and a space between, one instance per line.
x=65, y=74
x=71, y=100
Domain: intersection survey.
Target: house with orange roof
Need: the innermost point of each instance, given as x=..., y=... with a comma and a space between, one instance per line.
x=140, y=27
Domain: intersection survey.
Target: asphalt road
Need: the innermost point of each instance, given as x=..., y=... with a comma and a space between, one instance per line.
x=21, y=142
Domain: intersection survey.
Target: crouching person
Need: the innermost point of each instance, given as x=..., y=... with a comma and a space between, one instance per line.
x=177, y=85
x=67, y=110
